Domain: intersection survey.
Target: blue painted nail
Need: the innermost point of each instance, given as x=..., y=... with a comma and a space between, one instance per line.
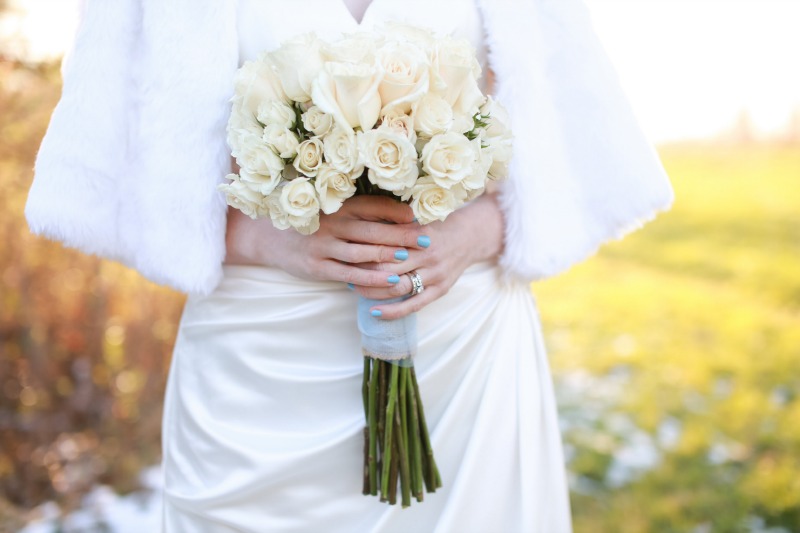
x=351, y=286
x=394, y=278
x=376, y=312
x=423, y=241
x=401, y=255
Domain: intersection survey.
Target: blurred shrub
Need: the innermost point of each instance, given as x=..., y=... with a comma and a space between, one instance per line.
x=84, y=344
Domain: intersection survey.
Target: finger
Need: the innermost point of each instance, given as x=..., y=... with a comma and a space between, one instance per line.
x=406, y=307
x=378, y=208
x=361, y=255
x=336, y=271
x=402, y=288
x=399, y=235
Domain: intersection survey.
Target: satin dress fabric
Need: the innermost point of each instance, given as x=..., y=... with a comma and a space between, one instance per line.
x=263, y=419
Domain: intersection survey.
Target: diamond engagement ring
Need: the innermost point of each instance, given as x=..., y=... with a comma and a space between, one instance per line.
x=416, y=282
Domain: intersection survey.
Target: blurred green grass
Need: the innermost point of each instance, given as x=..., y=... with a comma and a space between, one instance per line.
x=696, y=318
x=675, y=351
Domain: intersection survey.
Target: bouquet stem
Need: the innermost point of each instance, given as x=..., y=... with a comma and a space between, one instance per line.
x=396, y=441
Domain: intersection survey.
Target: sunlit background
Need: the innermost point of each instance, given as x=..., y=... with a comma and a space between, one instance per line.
x=675, y=352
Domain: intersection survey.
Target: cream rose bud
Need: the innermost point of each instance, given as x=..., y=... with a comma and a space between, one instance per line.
x=401, y=123
x=500, y=150
x=449, y=158
x=398, y=31
x=349, y=92
x=260, y=183
x=455, y=71
x=256, y=156
x=341, y=151
x=257, y=82
x=284, y=141
x=432, y=115
x=278, y=113
x=297, y=62
x=357, y=47
x=406, y=72
x=390, y=158
x=272, y=204
x=243, y=198
x=300, y=204
x=333, y=188
x=430, y=201
x=309, y=157
x=499, y=121
x=316, y=121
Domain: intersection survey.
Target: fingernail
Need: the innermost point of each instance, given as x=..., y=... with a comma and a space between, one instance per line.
x=394, y=278
x=401, y=255
x=351, y=286
x=376, y=312
x=423, y=241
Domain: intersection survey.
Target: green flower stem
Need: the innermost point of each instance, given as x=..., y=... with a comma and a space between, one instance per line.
x=393, y=476
x=401, y=419
x=387, y=455
x=432, y=479
x=416, y=440
x=373, y=432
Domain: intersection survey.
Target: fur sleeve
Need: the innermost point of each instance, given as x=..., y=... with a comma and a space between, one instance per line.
x=130, y=162
x=583, y=172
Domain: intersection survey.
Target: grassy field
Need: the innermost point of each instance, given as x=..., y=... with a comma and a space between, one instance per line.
x=675, y=351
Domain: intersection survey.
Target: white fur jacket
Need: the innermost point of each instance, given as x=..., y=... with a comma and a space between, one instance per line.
x=129, y=165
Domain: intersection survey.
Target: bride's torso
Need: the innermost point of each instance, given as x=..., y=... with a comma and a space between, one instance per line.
x=264, y=24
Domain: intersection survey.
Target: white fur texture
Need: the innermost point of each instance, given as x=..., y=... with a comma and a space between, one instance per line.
x=136, y=146
x=129, y=166
x=583, y=172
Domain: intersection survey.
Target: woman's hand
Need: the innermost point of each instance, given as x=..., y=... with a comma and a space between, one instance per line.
x=353, y=245
x=468, y=236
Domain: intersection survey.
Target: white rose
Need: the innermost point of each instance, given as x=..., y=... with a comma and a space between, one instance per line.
x=316, y=121
x=341, y=151
x=406, y=74
x=354, y=48
x=455, y=74
x=430, y=202
x=349, y=92
x=243, y=198
x=300, y=204
x=284, y=141
x=257, y=82
x=499, y=122
x=262, y=183
x=297, y=62
x=449, y=158
x=398, y=31
x=276, y=112
x=390, y=158
x=497, y=138
x=272, y=204
x=500, y=150
x=401, y=123
x=256, y=156
x=333, y=187
x=309, y=157
x=432, y=115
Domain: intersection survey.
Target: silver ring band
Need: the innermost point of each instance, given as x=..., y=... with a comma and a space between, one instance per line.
x=416, y=282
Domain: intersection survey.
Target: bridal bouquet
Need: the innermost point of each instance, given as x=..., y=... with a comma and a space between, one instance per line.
x=396, y=112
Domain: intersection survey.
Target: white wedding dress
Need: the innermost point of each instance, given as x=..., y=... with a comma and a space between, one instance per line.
x=263, y=420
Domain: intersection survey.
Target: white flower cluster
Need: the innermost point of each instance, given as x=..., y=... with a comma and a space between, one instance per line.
x=399, y=109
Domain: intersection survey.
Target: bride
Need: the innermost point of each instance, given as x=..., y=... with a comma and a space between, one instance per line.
x=263, y=420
